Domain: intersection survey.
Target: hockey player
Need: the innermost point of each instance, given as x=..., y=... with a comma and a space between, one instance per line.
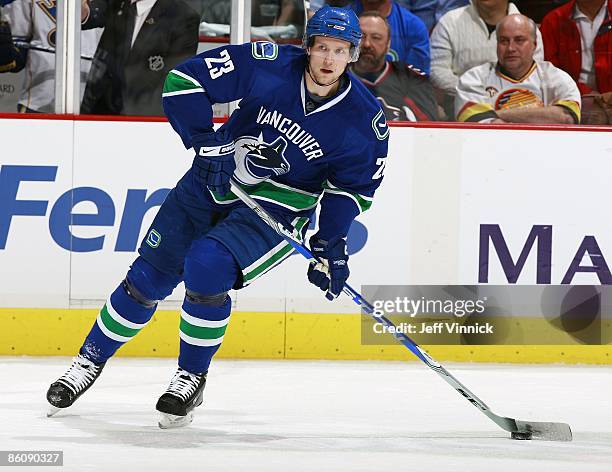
x=306, y=133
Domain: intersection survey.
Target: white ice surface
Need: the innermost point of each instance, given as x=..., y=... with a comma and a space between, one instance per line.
x=312, y=416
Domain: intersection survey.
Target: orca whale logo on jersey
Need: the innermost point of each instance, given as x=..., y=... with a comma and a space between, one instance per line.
x=257, y=160
x=517, y=98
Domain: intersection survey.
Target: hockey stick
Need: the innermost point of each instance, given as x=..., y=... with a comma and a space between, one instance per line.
x=519, y=429
x=24, y=45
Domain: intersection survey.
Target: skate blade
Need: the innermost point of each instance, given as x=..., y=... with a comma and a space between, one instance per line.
x=167, y=421
x=53, y=410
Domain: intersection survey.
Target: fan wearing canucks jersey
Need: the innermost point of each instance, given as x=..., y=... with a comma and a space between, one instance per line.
x=517, y=88
x=306, y=134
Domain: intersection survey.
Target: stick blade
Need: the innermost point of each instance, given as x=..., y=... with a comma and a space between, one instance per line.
x=545, y=431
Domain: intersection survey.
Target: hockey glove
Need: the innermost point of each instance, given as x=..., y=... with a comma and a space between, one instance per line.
x=8, y=53
x=332, y=271
x=214, y=164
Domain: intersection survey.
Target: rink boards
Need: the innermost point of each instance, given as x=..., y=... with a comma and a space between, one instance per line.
x=457, y=206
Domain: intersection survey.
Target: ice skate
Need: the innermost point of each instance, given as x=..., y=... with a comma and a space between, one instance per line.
x=184, y=393
x=78, y=378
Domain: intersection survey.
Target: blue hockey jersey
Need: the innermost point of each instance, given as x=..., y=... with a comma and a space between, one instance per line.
x=287, y=158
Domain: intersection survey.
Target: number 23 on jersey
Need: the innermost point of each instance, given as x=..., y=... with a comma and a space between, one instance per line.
x=219, y=66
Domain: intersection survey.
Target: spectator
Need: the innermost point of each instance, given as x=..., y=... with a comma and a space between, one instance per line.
x=142, y=41
x=27, y=41
x=517, y=89
x=430, y=11
x=404, y=94
x=409, y=35
x=465, y=38
x=578, y=39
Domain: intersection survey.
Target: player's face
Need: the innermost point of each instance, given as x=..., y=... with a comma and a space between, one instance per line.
x=515, y=46
x=374, y=44
x=328, y=58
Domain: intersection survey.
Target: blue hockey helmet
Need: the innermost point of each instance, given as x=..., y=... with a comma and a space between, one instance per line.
x=334, y=22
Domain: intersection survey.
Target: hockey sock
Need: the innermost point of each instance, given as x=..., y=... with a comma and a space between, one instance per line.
x=120, y=320
x=201, y=331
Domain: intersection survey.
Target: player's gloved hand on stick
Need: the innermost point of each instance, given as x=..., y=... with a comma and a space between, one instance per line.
x=7, y=48
x=214, y=164
x=332, y=272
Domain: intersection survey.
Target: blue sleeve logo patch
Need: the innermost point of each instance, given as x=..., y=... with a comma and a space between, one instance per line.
x=264, y=50
x=379, y=125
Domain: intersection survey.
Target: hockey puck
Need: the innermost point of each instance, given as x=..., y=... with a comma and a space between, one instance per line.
x=521, y=435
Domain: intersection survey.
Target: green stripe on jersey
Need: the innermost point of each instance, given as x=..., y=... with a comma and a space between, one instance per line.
x=282, y=195
x=178, y=83
x=363, y=203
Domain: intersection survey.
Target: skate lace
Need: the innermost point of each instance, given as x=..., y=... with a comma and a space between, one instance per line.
x=183, y=384
x=80, y=374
